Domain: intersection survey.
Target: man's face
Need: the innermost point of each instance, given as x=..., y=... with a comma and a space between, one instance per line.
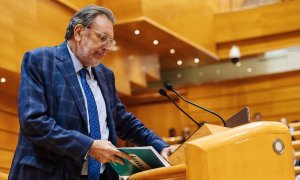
x=90, y=47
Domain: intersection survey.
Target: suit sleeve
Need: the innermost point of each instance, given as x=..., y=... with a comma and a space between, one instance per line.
x=131, y=129
x=35, y=123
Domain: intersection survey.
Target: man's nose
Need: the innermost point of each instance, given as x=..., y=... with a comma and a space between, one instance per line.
x=106, y=46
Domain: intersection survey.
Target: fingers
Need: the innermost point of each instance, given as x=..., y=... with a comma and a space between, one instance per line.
x=105, y=151
x=166, y=152
x=123, y=155
x=118, y=160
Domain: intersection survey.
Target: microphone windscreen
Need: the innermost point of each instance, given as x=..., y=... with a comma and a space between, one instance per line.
x=162, y=92
x=169, y=86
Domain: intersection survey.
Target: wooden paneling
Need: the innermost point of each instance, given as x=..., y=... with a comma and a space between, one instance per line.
x=266, y=96
x=275, y=96
x=27, y=25
x=136, y=73
x=9, y=122
x=77, y=4
x=192, y=20
x=260, y=45
x=6, y=159
x=124, y=10
x=8, y=140
x=159, y=117
x=259, y=29
x=9, y=129
x=256, y=22
x=121, y=71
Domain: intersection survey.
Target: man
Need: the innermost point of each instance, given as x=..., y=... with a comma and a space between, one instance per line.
x=69, y=110
x=257, y=117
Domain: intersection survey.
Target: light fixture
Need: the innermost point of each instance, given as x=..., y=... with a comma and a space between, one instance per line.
x=155, y=42
x=235, y=54
x=137, y=32
x=238, y=64
x=179, y=75
x=249, y=70
x=218, y=71
x=3, y=80
x=172, y=51
x=179, y=62
x=196, y=60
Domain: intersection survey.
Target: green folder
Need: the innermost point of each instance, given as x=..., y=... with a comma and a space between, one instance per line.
x=143, y=158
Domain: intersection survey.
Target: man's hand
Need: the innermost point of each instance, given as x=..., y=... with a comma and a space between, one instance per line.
x=166, y=152
x=105, y=151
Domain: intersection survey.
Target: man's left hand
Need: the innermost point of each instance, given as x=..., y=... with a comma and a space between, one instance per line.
x=166, y=152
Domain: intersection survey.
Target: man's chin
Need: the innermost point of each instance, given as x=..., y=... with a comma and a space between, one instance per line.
x=93, y=63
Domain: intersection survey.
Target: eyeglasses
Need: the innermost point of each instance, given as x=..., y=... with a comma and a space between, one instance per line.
x=104, y=39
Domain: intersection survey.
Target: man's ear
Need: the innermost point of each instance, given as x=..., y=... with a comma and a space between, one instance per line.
x=78, y=30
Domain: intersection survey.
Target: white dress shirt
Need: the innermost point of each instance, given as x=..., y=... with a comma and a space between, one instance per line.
x=99, y=102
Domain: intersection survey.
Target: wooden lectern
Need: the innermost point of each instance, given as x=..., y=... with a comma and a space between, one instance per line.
x=255, y=151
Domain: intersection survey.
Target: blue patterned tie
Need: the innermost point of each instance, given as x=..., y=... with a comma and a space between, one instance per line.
x=93, y=165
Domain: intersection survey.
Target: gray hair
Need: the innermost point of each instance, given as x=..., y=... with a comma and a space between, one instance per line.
x=86, y=16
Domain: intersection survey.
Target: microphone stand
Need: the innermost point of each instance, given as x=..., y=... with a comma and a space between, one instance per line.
x=169, y=86
x=164, y=93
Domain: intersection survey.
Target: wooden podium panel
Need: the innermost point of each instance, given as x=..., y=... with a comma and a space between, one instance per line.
x=178, y=157
x=242, y=153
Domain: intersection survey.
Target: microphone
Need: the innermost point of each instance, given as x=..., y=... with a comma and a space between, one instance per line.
x=164, y=93
x=169, y=86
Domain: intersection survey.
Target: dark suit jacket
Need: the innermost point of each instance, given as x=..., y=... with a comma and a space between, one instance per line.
x=53, y=138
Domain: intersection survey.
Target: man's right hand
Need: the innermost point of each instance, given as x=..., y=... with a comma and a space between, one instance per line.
x=105, y=151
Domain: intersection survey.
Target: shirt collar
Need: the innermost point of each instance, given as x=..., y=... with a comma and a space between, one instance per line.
x=76, y=63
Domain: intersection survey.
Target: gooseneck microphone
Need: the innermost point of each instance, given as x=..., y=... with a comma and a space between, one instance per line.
x=164, y=93
x=169, y=86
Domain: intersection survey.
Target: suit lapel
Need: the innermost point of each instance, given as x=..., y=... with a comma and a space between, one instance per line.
x=66, y=67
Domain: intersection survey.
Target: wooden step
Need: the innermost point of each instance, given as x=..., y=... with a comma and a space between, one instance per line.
x=297, y=169
x=296, y=134
x=296, y=145
x=295, y=125
x=297, y=155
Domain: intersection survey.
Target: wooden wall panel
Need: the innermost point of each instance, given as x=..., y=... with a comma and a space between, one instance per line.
x=158, y=116
x=77, y=4
x=256, y=22
x=9, y=129
x=124, y=10
x=260, y=44
x=192, y=20
x=264, y=96
x=29, y=24
x=8, y=140
x=6, y=159
x=121, y=72
x=275, y=96
x=9, y=122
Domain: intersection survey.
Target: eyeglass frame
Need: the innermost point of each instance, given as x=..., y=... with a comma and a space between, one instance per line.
x=109, y=41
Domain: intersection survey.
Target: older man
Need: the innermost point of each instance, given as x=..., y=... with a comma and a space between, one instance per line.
x=69, y=110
